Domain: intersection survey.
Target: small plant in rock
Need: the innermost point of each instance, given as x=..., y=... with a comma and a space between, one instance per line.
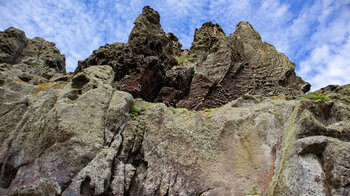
x=134, y=111
x=315, y=96
x=254, y=190
x=138, y=99
x=206, y=110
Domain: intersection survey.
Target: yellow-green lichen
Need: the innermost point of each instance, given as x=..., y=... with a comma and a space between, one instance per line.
x=182, y=59
x=287, y=146
x=315, y=96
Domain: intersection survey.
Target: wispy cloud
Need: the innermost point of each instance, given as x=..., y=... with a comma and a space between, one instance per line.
x=314, y=34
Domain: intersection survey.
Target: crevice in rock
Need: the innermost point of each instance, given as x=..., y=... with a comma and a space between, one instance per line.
x=79, y=81
x=40, y=50
x=133, y=185
x=64, y=185
x=8, y=174
x=86, y=189
x=25, y=77
x=74, y=94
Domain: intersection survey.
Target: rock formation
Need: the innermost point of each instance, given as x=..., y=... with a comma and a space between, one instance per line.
x=82, y=134
x=16, y=48
x=140, y=65
x=217, y=69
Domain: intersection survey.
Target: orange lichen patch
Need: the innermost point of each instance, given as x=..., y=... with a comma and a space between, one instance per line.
x=269, y=178
x=42, y=87
x=277, y=97
x=21, y=81
x=272, y=165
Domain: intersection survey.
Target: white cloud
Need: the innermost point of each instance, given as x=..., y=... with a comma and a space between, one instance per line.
x=329, y=46
x=75, y=27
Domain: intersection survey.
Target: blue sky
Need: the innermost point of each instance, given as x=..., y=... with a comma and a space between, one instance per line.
x=313, y=34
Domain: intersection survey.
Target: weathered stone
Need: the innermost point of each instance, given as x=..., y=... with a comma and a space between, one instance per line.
x=307, y=161
x=228, y=67
x=216, y=70
x=339, y=94
x=140, y=65
x=36, y=53
x=311, y=145
x=72, y=134
x=40, y=52
x=57, y=127
x=12, y=43
x=207, y=39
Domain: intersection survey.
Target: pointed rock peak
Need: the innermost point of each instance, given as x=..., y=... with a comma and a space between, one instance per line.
x=148, y=16
x=148, y=22
x=209, y=29
x=246, y=32
x=14, y=32
x=207, y=38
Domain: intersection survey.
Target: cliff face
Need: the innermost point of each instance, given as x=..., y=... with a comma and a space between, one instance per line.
x=85, y=134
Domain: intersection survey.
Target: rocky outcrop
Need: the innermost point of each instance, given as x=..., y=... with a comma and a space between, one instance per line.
x=216, y=70
x=336, y=93
x=57, y=129
x=37, y=53
x=141, y=64
x=228, y=67
x=76, y=137
x=314, y=156
x=76, y=134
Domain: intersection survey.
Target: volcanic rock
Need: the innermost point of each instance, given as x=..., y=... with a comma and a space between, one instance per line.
x=216, y=70
x=141, y=64
x=238, y=64
x=16, y=48
x=76, y=134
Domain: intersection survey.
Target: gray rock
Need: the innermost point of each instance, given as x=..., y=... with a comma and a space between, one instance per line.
x=35, y=54
x=311, y=145
x=72, y=134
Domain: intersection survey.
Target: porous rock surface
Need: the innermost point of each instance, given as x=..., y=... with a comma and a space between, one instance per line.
x=73, y=134
x=140, y=64
x=16, y=48
x=216, y=70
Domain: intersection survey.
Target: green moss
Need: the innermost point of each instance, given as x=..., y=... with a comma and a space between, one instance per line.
x=314, y=96
x=182, y=110
x=254, y=190
x=138, y=99
x=206, y=110
x=134, y=111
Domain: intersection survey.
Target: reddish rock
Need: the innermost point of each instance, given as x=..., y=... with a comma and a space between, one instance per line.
x=216, y=70
x=140, y=65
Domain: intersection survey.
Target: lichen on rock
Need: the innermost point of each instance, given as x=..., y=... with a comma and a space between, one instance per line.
x=223, y=118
